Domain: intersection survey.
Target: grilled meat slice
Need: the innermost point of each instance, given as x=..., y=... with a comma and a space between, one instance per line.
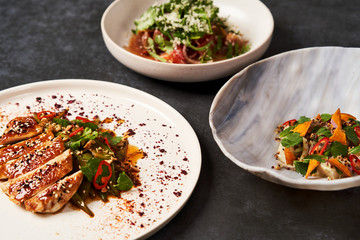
x=17, y=150
x=27, y=185
x=20, y=128
x=32, y=160
x=54, y=197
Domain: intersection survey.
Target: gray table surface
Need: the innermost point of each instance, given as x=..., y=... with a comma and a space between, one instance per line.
x=42, y=40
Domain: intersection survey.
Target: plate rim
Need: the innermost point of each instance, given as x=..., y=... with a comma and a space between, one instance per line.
x=31, y=87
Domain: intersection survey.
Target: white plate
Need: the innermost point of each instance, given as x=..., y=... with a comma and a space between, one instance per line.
x=248, y=108
x=168, y=174
x=250, y=17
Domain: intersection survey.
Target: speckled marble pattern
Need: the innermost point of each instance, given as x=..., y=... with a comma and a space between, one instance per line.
x=305, y=82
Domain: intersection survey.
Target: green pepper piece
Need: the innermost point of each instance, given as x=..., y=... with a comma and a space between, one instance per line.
x=84, y=189
x=103, y=196
x=79, y=202
x=103, y=152
x=112, y=189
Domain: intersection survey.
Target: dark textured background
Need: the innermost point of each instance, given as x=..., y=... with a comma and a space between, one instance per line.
x=43, y=40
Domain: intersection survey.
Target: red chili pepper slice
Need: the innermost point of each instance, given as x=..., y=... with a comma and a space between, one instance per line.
x=76, y=131
x=84, y=120
x=104, y=180
x=316, y=148
x=357, y=131
x=107, y=143
x=355, y=163
x=290, y=122
x=45, y=114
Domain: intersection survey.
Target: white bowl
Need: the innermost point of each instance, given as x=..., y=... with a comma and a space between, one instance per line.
x=247, y=109
x=251, y=17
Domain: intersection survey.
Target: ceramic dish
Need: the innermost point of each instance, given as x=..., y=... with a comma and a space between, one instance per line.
x=247, y=109
x=168, y=174
x=251, y=17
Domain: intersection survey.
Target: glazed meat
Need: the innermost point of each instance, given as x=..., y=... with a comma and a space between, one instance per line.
x=27, y=185
x=54, y=197
x=33, y=159
x=16, y=150
x=20, y=128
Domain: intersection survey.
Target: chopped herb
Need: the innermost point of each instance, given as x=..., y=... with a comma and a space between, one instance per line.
x=291, y=140
x=90, y=125
x=325, y=117
x=303, y=119
x=124, y=183
x=286, y=131
x=301, y=167
x=354, y=150
x=112, y=140
x=351, y=135
x=323, y=131
x=338, y=149
x=90, y=168
x=77, y=140
x=62, y=122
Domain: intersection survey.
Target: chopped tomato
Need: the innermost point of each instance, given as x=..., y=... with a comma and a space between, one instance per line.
x=176, y=56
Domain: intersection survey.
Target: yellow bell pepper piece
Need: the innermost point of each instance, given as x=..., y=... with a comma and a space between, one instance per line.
x=338, y=136
x=340, y=166
x=336, y=117
x=345, y=116
x=289, y=156
x=312, y=165
x=302, y=128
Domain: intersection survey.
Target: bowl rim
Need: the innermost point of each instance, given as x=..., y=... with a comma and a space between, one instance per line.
x=267, y=174
x=267, y=38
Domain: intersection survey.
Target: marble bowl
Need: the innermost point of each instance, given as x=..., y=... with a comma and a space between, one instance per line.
x=247, y=109
x=251, y=17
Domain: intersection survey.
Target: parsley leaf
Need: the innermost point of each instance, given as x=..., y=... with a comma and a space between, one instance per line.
x=113, y=141
x=147, y=19
x=292, y=139
x=301, y=167
x=325, y=117
x=303, y=119
x=90, y=168
x=351, y=135
x=90, y=125
x=62, y=122
x=323, y=131
x=338, y=149
x=286, y=132
x=77, y=140
x=124, y=183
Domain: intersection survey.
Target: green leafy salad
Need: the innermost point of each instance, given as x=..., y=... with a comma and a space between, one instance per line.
x=99, y=153
x=325, y=146
x=185, y=31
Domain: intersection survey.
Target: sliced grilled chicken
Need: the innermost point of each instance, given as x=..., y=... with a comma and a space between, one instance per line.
x=16, y=150
x=54, y=197
x=20, y=128
x=27, y=185
x=32, y=160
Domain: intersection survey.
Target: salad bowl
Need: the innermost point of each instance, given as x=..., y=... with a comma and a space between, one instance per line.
x=305, y=82
x=251, y=17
